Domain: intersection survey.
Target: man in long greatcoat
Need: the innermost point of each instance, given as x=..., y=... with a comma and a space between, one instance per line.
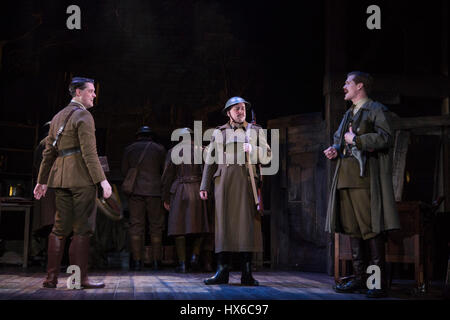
x=361, y=202
x=237, y=221
x=188, y=214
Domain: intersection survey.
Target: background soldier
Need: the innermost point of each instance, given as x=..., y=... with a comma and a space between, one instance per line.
x=361, y=202
x=44, y=209
x=237, y=222
x=145, y=199
x=188, y=214
x=73, y=169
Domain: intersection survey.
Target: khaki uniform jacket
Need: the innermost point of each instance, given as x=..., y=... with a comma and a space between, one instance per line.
x=237, y=222
x=78, y=169
x=374, y=136
x=148, y=180
x=181, y=184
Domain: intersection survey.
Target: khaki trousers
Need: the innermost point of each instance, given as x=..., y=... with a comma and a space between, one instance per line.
x=76, y=211
x=145, y=206
x=355, y=215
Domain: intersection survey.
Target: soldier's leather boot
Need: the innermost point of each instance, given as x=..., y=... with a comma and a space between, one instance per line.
x=136, y=246
x=156, y=250
x=223, y=269
x=79, y=255
x=194, y=263
x=181, y=268
x=207, y=261
x=55, y=253
x=377, y=254
x=246, y=266
x=357, y=283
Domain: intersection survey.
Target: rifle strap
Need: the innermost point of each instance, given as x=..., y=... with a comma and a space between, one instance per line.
x=61, y=129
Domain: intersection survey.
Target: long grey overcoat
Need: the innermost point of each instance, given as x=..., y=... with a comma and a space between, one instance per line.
x=374, y=136
x=237, y=222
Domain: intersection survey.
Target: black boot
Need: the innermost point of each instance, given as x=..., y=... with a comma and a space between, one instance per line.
x=136, y=246
x=377, y=255
x=223, y=269
x=246, y=267
x=194, y=262
x=181, y=268
x=357, y=283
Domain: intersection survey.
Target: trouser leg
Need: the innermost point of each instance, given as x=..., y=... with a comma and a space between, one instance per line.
x=180, y=245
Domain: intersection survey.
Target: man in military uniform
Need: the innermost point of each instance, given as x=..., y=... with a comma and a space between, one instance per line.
x=145, y=199
x=237, y=221
x=361, y=202
x=188, y=214
x=70, y=166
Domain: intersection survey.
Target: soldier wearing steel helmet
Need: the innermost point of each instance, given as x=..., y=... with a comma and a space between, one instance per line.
x=237, y=221
x=145, y=199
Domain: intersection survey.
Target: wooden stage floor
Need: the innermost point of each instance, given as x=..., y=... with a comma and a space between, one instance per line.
x=19, y=284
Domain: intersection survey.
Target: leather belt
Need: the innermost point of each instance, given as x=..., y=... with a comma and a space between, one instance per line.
x=190, y=179
x=68, y=152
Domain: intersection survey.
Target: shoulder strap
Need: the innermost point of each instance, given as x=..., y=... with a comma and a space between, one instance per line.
x=142, y=154
x=61, y=129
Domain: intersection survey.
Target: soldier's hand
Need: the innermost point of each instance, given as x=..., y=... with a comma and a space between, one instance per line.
x=330, y=153
x=40, y=190
x=247, y=147
x=166, y=206
x=106, y=189
x=204, y=195
x=349, y=136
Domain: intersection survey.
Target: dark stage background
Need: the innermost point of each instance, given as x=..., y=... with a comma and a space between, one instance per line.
x=168, y=63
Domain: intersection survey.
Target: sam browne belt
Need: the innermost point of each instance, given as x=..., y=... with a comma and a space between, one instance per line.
x=68, y=152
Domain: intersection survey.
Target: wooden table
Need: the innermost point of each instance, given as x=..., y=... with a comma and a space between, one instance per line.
x=20, y=206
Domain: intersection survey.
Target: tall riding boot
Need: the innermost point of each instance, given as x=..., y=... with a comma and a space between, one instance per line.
x=246, y=266
x=156, y=250
x=55, y=253
x=196, y=253
x=79, y=255
x=136, y=247
x=180, y=245
x=357, y=284
x=378, y=257
x=223, y=269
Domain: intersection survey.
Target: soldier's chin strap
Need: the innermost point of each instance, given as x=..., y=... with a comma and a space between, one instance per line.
x=235, y=123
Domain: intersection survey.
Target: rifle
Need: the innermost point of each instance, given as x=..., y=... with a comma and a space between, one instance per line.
x=258, y=197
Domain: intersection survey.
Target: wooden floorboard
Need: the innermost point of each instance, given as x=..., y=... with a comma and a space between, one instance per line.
x=20, y=284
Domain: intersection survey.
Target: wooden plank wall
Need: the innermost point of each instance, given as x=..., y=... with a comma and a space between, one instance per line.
x=298, y=195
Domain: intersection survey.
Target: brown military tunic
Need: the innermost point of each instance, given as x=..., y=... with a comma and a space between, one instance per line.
x=145, y=199
x=181, y=184
x=73, y=177
x=237, y=222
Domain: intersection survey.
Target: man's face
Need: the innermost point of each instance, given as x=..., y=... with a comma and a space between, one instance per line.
x=237, y=113
x=87, y=95
x=351, y=89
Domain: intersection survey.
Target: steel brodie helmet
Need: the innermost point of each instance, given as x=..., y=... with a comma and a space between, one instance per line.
x=232, y=101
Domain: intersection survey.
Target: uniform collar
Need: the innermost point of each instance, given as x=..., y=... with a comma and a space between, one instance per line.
x=359, y=104
x=78, y=104
x=244, y=126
